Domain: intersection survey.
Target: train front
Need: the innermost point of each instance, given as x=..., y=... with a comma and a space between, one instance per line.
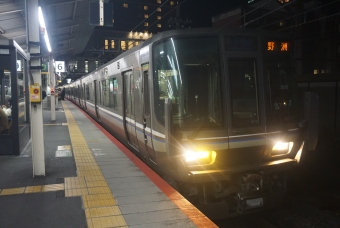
x=230, y=109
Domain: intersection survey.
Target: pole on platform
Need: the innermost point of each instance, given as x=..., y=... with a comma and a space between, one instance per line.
x=52, y=78
x=36, y=109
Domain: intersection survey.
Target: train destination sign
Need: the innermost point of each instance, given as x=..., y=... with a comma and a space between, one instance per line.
x=277, y=46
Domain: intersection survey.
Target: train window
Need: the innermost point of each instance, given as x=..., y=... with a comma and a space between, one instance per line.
x=103, y=92
x=87, y=88
x=113, y=86
x=282, y=103
x=187, y=70
x=146, y=94
x=243, y=84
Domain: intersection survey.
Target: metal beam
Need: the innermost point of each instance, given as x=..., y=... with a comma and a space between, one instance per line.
x=11, y=8
x=67, y=26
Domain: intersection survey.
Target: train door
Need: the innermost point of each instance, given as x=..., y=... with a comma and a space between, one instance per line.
x=246, y=129
x=146, y=114
x=129, y=113
x=96, y=96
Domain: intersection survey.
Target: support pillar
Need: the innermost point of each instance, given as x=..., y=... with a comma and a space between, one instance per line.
x=52, y=78
x=36, y=109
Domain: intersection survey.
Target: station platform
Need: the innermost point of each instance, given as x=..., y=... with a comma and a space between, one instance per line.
x=91, y=180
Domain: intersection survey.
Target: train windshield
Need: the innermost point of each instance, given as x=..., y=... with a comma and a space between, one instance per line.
x=187, y=70
x=282, y=101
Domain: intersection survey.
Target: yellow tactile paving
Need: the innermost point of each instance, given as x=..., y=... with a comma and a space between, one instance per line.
x=100, y=206
x=99, y=203
x=74, y=182
x=96, y=184
x=33, y=189
x=12, y=191
x=76, y=192
x=110, y=221
x=102, y=212
x=52, y=187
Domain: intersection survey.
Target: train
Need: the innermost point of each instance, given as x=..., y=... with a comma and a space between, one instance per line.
x=216, y=112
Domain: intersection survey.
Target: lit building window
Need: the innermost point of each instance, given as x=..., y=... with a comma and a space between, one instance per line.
x=146, y=24
x=123, y=45
x=159, y=26
x=159, y=17
x=113, y=21
x=106, y=44
x=86, y=66
x=125, y=5
x=130, y=43
x=283, y=1
x=316, y=71
x=172, y=3
x=112, y=44
x=159, y=9
x=159, y=1
x=136, y=43
x=96, y=65
x=146, y=15
x=76, y=66
x=146, y=7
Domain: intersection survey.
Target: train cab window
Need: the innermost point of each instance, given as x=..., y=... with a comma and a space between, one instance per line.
x=243, y=86
x=187, y=70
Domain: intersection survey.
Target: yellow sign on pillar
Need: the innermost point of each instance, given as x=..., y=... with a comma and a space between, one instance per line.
x=35, y=93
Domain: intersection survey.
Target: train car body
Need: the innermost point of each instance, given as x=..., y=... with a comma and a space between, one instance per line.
x=214, y=111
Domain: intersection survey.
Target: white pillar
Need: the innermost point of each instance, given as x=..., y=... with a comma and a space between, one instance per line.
x=52, y=78
x=37, y=126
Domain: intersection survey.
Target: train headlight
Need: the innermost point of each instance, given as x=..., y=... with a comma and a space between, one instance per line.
x=281, y=148
x=200, y=157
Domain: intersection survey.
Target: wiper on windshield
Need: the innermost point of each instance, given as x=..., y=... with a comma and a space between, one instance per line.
x=194, y=133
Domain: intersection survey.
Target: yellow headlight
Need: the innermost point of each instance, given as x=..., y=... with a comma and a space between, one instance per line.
x=201, y=157
x=281, y=148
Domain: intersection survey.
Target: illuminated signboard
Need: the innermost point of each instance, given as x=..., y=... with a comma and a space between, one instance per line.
x=277, y=46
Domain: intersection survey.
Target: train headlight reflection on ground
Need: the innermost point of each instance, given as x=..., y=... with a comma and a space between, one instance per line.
x=200, y=157
x=281, y=148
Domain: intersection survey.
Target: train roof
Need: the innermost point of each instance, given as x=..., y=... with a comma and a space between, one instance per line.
x=196, y=31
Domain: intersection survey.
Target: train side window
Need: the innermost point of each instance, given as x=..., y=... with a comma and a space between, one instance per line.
x=105, y=93
x=87, y=87
x=146, y=94
x=113, y=88
x=244, y=98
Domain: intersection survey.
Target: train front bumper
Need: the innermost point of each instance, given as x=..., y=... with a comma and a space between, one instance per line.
x=225, y=174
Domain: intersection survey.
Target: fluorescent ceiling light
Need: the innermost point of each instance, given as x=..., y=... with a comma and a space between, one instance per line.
x=43, y=25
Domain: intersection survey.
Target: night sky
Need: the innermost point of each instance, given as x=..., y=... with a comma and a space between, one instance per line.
x=201, y=11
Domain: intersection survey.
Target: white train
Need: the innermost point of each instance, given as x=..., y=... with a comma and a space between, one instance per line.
x=214, y=111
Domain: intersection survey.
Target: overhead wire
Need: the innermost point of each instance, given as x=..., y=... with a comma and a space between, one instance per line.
x=297, y=14
x=309, y=22
x=247, y=13
x=272, y=11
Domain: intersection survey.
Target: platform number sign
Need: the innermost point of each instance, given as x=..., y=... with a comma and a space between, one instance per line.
x=59, y=66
